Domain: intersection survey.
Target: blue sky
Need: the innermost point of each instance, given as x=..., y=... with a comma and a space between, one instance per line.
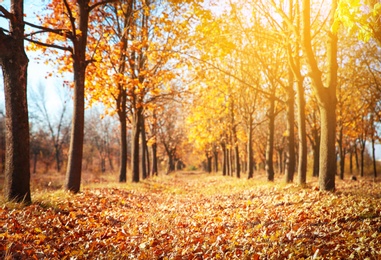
x=37, y=71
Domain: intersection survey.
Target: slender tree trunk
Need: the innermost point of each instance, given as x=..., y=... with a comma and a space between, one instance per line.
x=148, y=159
x=351, y=160
x=326, y=96
x=209, y=163
x=215, y=155
x=362, y=156
x=280, y=161
x=270, y=142
x=237, y=161
x=230, y=162
x=135, y=144
x=144, y=147
x=290, y=160
x=224, y=162
x=341, y=153
x=374, y=158
x=154, y=160
x=316, y=155
x=123, y=146
x=14, y=64
x=302, y=133
x=250, y=153
x=74, y=168
x=356, y=159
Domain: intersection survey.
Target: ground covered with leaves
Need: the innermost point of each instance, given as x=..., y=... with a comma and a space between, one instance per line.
x=196, y=216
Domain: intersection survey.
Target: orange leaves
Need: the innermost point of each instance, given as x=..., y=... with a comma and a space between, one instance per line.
x=188, y=216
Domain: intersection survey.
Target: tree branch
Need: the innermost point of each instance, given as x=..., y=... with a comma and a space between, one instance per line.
x=100, y=3
x=50, y=45
x=71, y=18
x=61, y=32
x=7, y=14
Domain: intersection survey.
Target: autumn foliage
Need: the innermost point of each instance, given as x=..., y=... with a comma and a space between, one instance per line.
x=192, y=215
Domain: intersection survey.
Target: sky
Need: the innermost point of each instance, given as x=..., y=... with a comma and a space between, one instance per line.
x=37, y=71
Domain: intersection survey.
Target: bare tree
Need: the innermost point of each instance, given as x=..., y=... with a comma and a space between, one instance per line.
x=55, y=120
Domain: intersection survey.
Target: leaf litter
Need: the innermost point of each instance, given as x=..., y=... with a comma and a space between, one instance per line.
x=198, y=217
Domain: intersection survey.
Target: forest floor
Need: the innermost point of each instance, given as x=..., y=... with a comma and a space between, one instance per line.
x=192, y=215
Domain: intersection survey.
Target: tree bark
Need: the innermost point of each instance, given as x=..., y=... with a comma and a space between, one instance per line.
x=154, y=160
x=74, y=168
x=270, y=142
x=250, y=153
x=237, y=161
x=374, y=158
x=224, y=161
x=215, y=156
x=316, y=155
x=290, y=160
x=362, y=156
x=14, y=64
x=123, y=141
x=136, y=117
x=302, y=133
x=341, y=153
x=144, y=148
x=326, y=96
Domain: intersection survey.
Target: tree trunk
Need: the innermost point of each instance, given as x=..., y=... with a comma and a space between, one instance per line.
x=229, y=162
x=290, y=160
x=237, y=161
x=341, y=153
x=74, y=168
x=327, y=164
x=316, y=155
x=144, y=148
x=154, y=160
x=356, y=159
x=250, y=153
x=209, y=163
x=171, y=160
x=302, y=151
x=14, y=64
x=135, y=144
x=326, y=96
x=270, y=142
x=351, y=160
x=148, y=164
x=224, y=162
x=215, y=155
x=280, y=161
x=123, y=145
x=362, y=156
x=374, y=158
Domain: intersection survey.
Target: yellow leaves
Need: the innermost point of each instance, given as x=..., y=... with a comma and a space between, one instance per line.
x=358, y=18
x=78, y=32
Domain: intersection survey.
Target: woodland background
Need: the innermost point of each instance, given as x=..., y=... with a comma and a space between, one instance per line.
x=218, y=81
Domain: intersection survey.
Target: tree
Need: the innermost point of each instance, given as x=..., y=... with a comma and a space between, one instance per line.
x=140, y=60
x=325, y=94
x=56, y=125
x=14, y=64
x=70, y=35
